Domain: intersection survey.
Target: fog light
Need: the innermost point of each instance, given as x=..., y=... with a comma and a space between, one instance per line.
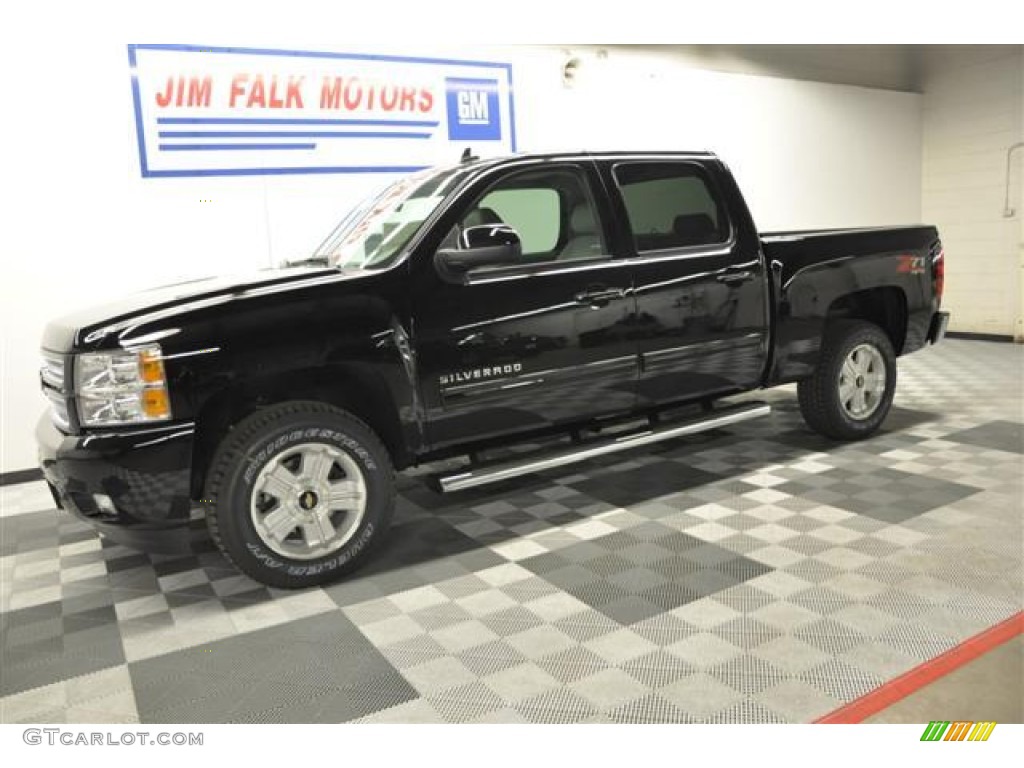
x=104, y=504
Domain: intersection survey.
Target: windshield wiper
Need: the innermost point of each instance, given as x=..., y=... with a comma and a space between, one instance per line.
x=311, y=261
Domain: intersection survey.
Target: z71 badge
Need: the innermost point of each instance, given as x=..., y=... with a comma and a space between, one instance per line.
x=478, y=374
x=911, y=265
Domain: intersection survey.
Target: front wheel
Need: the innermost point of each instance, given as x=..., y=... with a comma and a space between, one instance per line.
x=298, y=493
x=851, y=392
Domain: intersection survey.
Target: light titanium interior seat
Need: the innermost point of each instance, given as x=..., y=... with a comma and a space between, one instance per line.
x=585, y=240
x=480, y=217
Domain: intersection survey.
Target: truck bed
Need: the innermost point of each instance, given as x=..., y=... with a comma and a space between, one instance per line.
x=817, y=274
x=798, y=249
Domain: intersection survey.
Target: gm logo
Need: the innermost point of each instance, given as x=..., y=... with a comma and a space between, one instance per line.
x=473, y=111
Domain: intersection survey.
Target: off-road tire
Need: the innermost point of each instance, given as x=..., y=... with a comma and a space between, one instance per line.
x=819, y=396
x=257, y=440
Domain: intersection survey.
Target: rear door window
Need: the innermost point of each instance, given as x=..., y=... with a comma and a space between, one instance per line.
x=670, y=206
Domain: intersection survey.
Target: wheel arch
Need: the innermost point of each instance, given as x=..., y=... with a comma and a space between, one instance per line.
x=884, y=306
x=363, y=393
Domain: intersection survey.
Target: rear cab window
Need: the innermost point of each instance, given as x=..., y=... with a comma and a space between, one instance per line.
x=670, y=205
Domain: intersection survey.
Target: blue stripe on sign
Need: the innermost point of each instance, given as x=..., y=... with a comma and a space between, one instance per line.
x=291, y=134
x=203, y=147
x=283, y=171
x=474, y=81
x=290, y=121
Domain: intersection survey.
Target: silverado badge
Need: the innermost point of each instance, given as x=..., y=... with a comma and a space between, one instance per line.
x=478, y=374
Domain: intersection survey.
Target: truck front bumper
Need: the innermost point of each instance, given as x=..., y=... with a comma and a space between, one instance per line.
x=937, y=329
x=132, y=486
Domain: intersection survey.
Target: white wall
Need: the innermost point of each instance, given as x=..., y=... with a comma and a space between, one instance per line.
x=81, y=225
x=806, y=154
x=973, y=110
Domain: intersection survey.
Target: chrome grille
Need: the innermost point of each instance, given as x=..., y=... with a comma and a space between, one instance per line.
x=58, y=408
x=52, y=376
x=53, y=370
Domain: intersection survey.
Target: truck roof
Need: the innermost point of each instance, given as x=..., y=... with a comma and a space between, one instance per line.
x=581, y=154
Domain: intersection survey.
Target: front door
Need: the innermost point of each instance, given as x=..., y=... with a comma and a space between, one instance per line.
x=538, y=343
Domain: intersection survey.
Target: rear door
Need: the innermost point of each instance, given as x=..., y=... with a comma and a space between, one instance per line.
x=700, y=283
x=542, y=342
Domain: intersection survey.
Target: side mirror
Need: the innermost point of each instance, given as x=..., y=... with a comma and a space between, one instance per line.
x=488, y=245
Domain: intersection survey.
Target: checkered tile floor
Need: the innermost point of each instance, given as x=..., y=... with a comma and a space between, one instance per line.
x=755, y=574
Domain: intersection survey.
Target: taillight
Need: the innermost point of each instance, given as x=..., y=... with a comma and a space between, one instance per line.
x=939, y=274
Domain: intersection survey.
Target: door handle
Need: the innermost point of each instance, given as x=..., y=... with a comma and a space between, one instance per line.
x=598, y=297
x=473, y=340
x=735, y=278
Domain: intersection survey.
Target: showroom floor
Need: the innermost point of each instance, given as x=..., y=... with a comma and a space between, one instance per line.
x=755, y=574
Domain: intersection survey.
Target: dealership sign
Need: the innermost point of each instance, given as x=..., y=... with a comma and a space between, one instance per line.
x=205, y=111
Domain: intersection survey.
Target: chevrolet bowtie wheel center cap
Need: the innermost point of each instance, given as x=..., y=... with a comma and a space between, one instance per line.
x=308, y=500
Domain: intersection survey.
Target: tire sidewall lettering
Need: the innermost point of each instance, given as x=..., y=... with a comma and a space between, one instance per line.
x=263, y=556
x=257, y=460
x=338, y=560
x=321, y=566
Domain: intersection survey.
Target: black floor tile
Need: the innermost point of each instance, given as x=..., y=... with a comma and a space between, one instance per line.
x=635, y=486
x=42, y=646
x=412, y=555
x=630, y=578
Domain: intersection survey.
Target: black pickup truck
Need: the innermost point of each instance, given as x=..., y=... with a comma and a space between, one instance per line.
x=568, y=301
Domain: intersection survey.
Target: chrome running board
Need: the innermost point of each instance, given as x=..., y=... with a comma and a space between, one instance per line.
x=538, y=462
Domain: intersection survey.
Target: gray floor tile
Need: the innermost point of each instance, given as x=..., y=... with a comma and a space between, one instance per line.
x=756, y=574
x=312, y=670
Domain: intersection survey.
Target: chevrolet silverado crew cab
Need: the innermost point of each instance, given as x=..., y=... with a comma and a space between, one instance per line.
x=570, y=302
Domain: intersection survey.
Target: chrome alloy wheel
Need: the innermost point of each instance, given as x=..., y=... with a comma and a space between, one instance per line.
x=862, y=382
x=308, y=501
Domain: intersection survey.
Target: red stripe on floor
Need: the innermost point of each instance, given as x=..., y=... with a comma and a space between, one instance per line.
x=917, y=678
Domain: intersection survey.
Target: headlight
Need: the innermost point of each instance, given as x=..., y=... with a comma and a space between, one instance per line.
x=121, y=387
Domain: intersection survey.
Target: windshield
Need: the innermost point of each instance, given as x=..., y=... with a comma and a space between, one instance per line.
x=378, y=229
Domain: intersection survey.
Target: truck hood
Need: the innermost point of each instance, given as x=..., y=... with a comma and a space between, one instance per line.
x=91, y=324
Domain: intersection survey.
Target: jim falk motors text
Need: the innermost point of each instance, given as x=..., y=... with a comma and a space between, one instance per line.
x=259, y=91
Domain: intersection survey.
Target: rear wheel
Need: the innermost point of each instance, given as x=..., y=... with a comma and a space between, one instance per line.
x=851, y=392
x=298, y=493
